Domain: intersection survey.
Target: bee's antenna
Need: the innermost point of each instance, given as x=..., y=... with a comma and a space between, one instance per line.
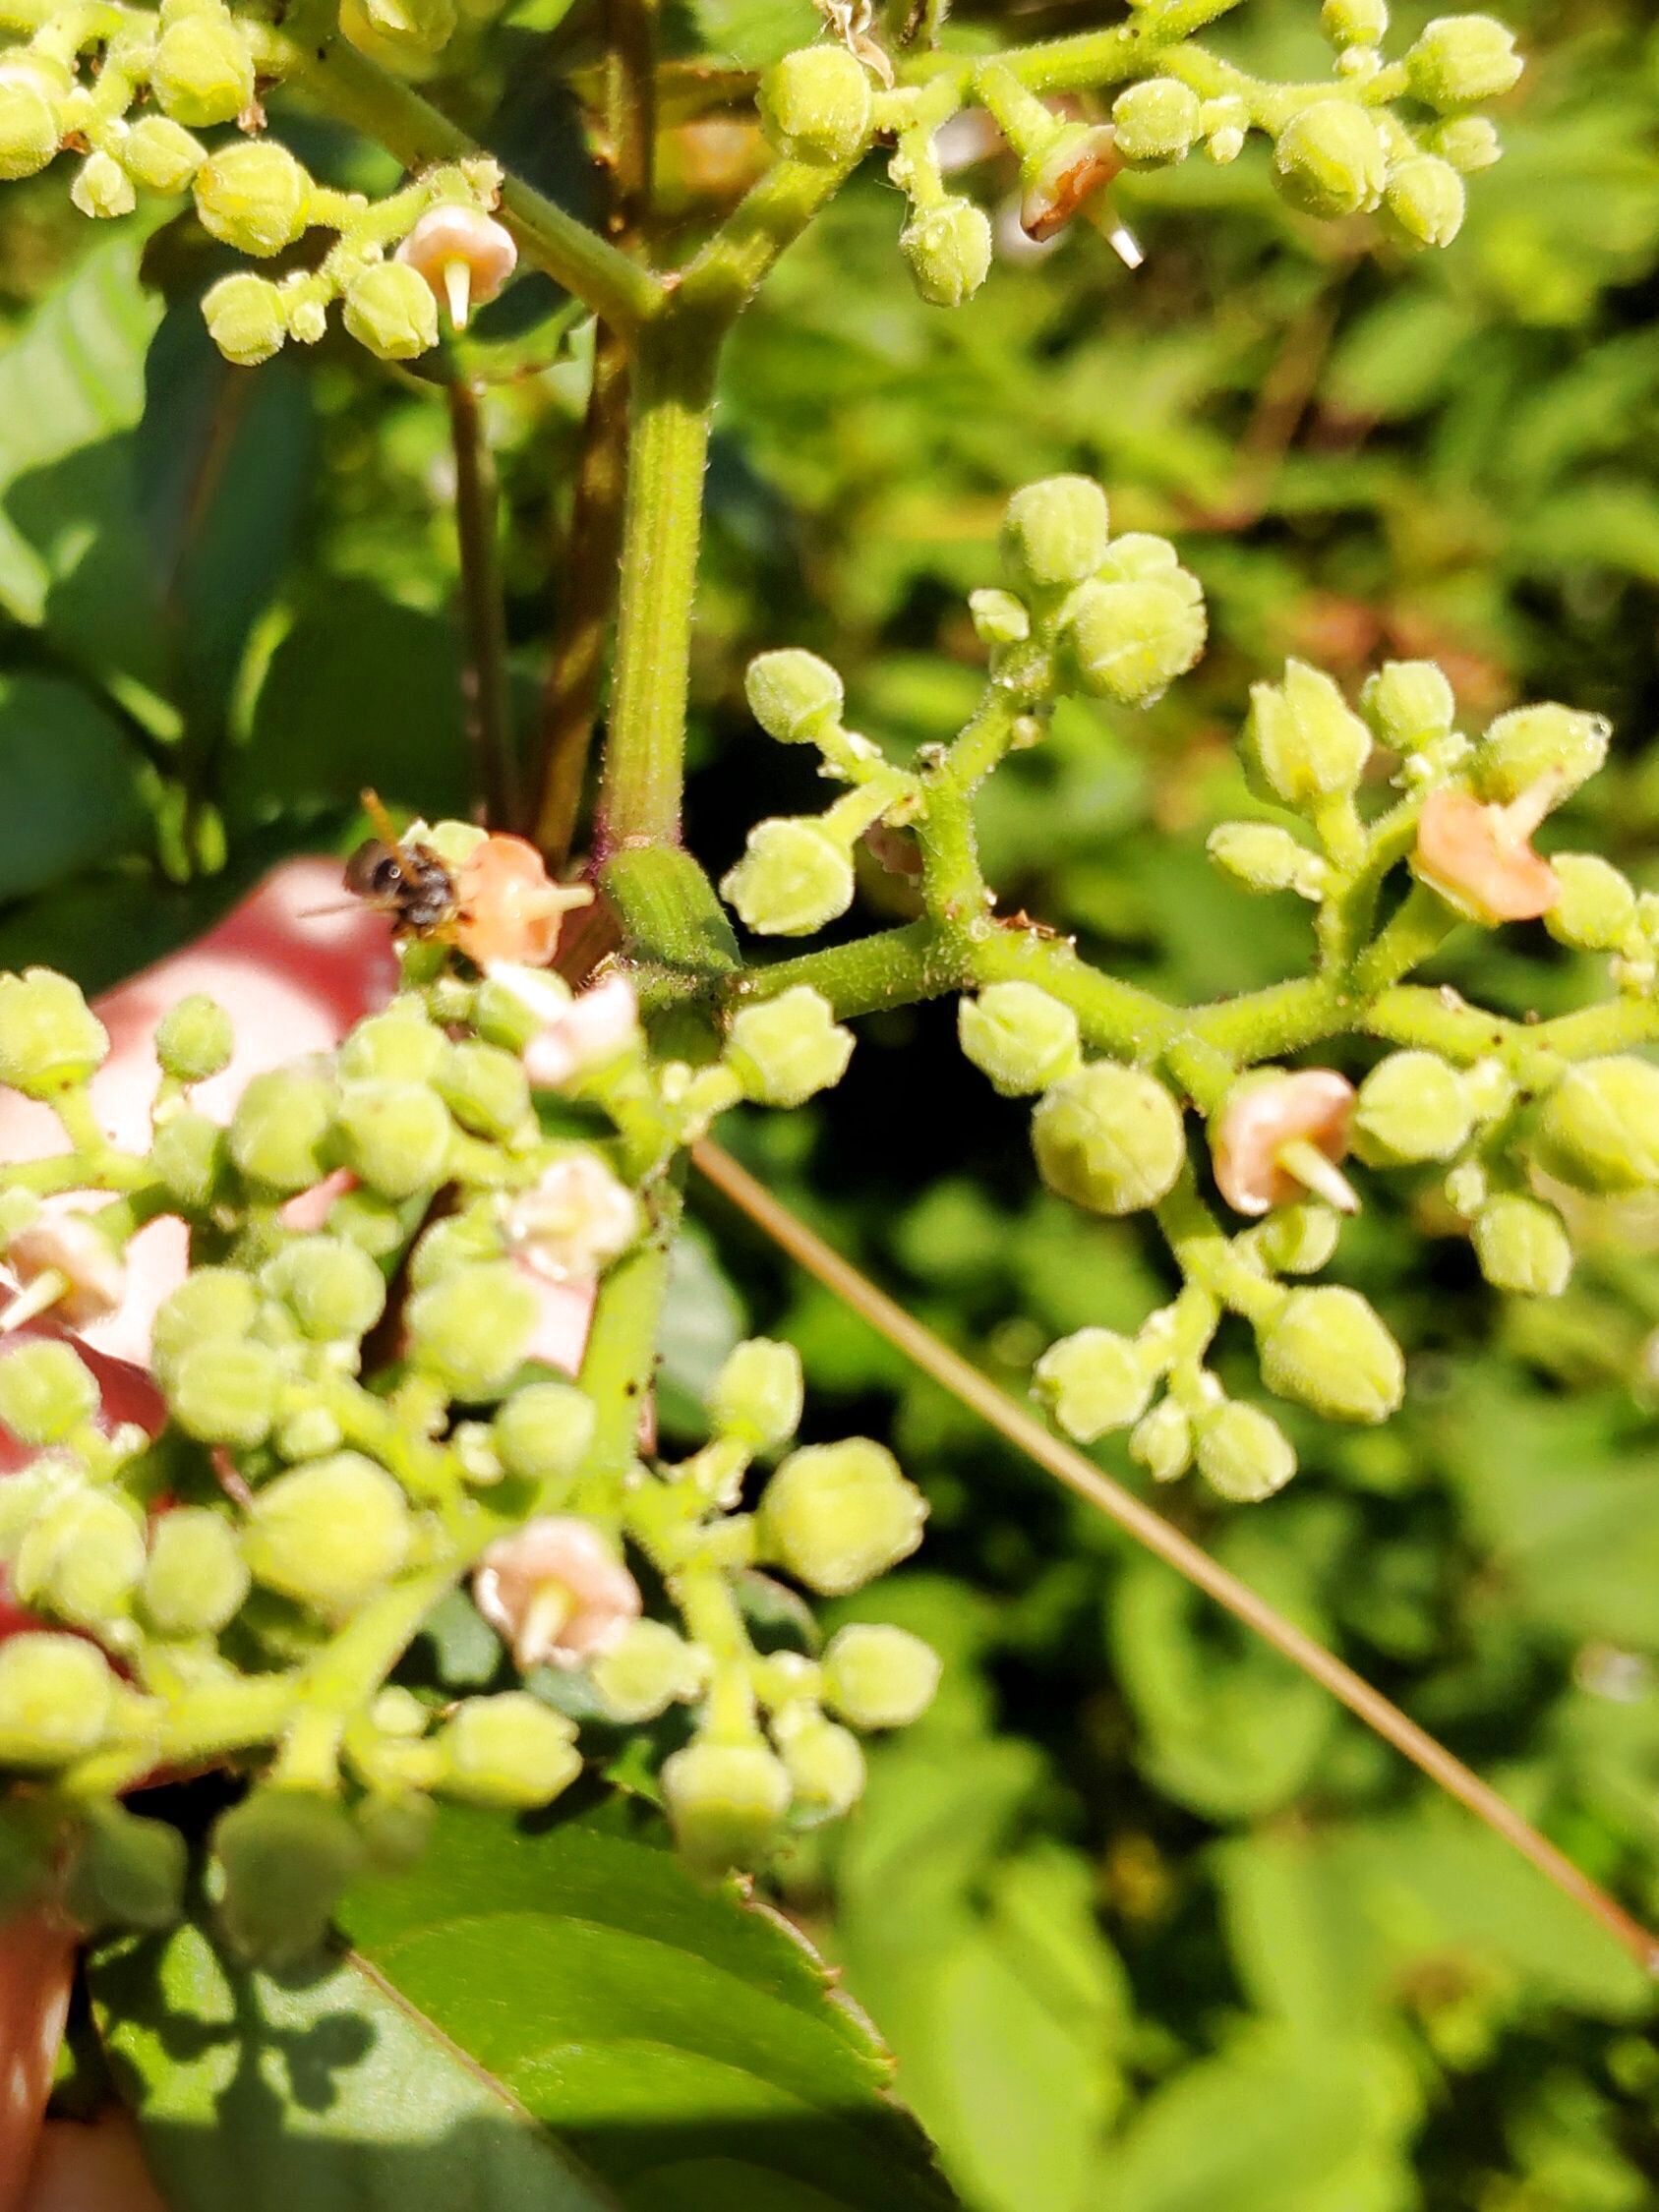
x=382, y=820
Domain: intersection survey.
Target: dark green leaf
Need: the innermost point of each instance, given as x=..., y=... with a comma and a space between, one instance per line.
x=322, y=2091
x=685, y=2043
x=70, y=779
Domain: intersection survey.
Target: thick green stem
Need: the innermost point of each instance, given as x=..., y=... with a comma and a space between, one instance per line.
x=489, y=715
x=672, y=396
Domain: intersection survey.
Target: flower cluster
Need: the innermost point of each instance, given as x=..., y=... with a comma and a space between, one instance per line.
x=361, y=1413
x=1395, y=827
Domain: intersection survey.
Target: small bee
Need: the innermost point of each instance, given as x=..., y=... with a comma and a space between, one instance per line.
x=497, y=905
x=408, y=882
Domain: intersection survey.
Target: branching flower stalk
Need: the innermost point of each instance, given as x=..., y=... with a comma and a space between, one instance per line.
x=357, y=1415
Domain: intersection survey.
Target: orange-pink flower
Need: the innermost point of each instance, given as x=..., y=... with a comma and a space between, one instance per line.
x=1274, y=1141
x=1480, y=859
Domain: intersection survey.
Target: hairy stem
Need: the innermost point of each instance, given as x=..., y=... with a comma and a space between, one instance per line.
x=1086, y=1481
x=672, y=396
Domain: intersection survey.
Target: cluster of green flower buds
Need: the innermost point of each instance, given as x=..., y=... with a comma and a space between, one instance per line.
x=359, y=1418
x=134, y=101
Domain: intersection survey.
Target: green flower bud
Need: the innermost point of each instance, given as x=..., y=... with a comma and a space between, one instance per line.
x=1019, y=1036
x=1157, y=122
x=542, y=1431
x=1460, y=59
x=1412, y=1106
x=837, y=1515
x=127, y=1873
x=1522, y=1246
x=29, y=124
x=788, y=1048
x=815, y=106
x=102, y=188
x=1597, y=906
x=510, y=1749
x=330, y=1285
x=485, y=1088
x=1162, y=1441
x=161, y=155
x=398, y=1046
x=1108, y=1138
x=459, y=1240
x=254, y=195
x=56, y=1694
x=369, y=1222
x=329, y=1534
x=1140, y=556
x=1328, y=1350
x=1470, y=142
x=307, y=1432
x=794, y=695
x=1331, y=159
x=286, y=1856
x=280, y=1123
x=1094, y=1382
x=473, y=1328
x=396, y=1136
x=202, y=71
x=1599, y=1128
x=825, y=1767
x=392, y=310
x=82, y=1557
x=412, y=26
x=193, y=1039
x=757, y=1395
x=948, y=248
x=793, y=878
x=726, y=1801
x=1354, y=22
x=1131, y=640
x=1426, y=201
x=50, y=1039
x=1056, y=532
x=1530, y=745
x=1299, y=1239
x=1243, y=1454
x=45, y=1391
x=879, y=1677
x=195, y=1579
x=649, y=1671
x=225, y=1392
x=245, y=319
x=1265, y=858
x=1304, y=739
x=999, y=619
x=1410, y=704
x=211, y=1305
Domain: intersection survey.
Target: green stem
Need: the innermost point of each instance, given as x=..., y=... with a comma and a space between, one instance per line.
x=672, y=396
x=620, y=1355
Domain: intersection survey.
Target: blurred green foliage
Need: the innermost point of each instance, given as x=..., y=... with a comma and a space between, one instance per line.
x=1148, y=1922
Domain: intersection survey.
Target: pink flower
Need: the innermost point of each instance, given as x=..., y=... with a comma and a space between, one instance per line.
x=577, y=1033
x=63, y=1263
x=575, y=1222
x=463, y=255
x=556, y=1593
x=1480, y=859
x=1274, y=1140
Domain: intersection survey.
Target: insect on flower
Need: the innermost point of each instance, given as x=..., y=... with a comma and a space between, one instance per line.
x=496, y=902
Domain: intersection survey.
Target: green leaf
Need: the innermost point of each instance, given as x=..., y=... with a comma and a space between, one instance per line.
x=324, y=2091
x=686, y=2043
x=702, y=1319
x=70, y=779
x=753, y=32
x=221, y=462
x=71, y=554
x=361, y=693
x=1230, y=1727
